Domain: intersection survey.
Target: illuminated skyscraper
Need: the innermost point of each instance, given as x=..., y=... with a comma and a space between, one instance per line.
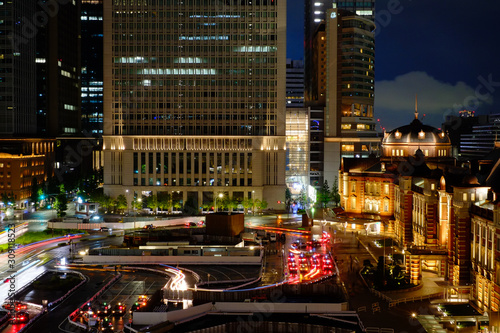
x=339, y=83
x=194, y=99
x=92, y=67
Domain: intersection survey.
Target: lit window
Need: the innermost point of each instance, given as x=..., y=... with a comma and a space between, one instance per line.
x=473, y=197
x=464, y=197
x=421, y=135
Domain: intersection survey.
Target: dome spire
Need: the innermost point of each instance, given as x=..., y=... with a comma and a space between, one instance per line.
x=416, y=106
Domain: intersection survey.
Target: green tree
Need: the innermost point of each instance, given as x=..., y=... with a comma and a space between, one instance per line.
x=323, y=196
x=61, y=204
x=288, y=199
x=261, y=204
x=335, y=195
x=106, y=202
x=303, y=197
x=164, y=200
x=232, y=203
x=247, y=203
x=8, y=198
x=34, y=192
x=206, y=206
x=190, y=207
x=137, y=204
x=152, y=203
x=121, y=202
x=177, y=205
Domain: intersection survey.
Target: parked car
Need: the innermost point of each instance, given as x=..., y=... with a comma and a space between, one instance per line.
x=104, y=229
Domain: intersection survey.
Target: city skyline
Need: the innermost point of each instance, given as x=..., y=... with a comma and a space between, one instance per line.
x=445, y=79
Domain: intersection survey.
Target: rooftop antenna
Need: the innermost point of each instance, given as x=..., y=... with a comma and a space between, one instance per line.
x=416, y=106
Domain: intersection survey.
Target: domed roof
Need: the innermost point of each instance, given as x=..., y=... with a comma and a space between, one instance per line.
x=416, y=133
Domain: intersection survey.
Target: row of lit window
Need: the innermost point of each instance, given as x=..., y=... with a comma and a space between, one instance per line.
x=196, y=71
x=197, y=14
x=246, y=130
x=193, y=182
x=187, y=3
x=204, y=117
x=254, y=94
x=359, y=127
x=192, y=60
x=226, y=106
x=197, y=163
x=357, y=86
x=211, y=83
x=144, y=27
x=194, y=35
x=203, y=49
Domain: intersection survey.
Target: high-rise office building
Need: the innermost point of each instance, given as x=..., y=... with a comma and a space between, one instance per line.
x=473, y=137
x=92, y=67
x=294, y=83
x=315, y=13
x=58, y=69
x=17, y=69
x=340, y=57
x=194, y=99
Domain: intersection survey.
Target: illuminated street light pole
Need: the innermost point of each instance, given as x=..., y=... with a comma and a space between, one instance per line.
x=215, y=201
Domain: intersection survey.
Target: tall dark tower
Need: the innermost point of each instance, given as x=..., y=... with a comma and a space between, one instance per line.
x=339, y=84
x=58, y=71
x=92, y=68
x=17, y=69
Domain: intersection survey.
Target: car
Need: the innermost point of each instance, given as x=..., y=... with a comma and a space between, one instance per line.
x=104, y=229
x=135, y=307
x=106, y=324
x=304, y=268
x=104, y=309
x=292, y=268
x=20, y=317
x=201, y=223
x=314, y=261
x=119, y=309
x=190, y=225
x=16, y=306
x=302, y=259
x=87, y=310
x=149, y=226
x=143, y=300
x=327, y=263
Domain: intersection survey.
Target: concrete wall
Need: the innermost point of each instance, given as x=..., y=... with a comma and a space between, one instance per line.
x=124, y=225
x=172, y=260
x=224, y=224
x=150, y=318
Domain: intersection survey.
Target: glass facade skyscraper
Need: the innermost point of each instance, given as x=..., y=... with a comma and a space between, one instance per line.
x=194, y=100
x=92, y=67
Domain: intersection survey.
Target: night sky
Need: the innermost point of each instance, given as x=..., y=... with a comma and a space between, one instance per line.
x=445, y=51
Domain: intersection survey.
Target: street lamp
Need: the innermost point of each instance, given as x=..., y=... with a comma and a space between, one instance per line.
x=215, y=201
